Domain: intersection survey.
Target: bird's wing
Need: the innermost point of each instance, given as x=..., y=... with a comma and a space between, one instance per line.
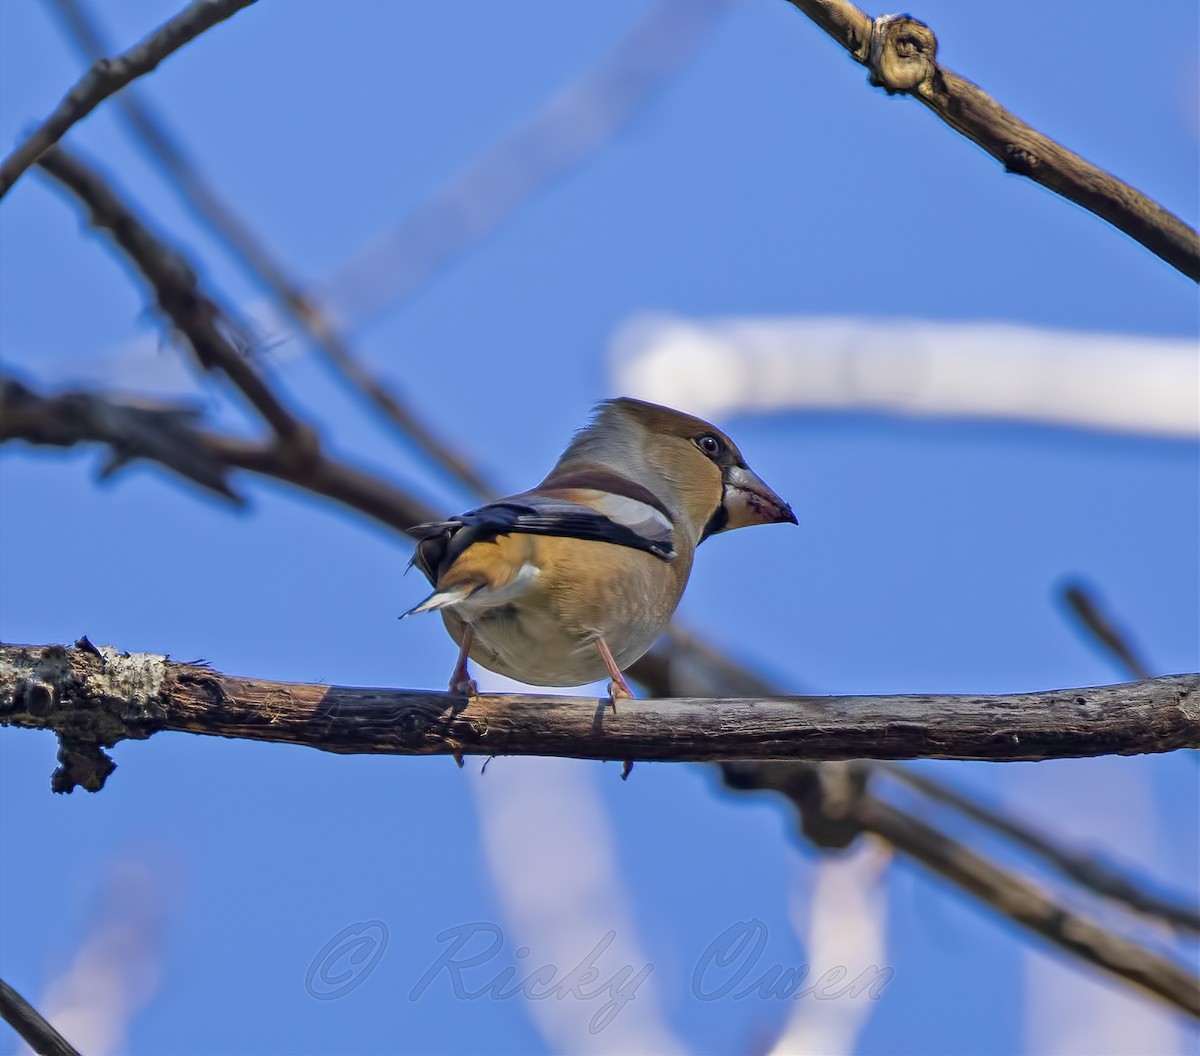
x=623, y=522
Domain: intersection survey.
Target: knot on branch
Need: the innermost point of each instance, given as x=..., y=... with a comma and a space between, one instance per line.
x=90, y=697
x=828, y=796
x=1020, y=160
x=901, y=55
x=81, y=764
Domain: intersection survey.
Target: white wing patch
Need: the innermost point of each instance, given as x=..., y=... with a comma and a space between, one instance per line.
x=640, y=516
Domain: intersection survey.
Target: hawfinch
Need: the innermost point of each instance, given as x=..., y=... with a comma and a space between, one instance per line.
x=574, y=580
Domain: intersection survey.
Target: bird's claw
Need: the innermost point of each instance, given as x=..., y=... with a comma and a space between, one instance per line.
x=618, y=691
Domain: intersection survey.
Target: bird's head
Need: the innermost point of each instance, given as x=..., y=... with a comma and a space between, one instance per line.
x=690, y=465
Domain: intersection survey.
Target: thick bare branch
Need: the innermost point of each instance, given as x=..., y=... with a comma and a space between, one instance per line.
x=180, y=298
x=901, y=54
x=108, y=76
x=103, y=696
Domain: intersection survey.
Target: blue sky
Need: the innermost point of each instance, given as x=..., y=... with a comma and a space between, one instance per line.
x=766, y=178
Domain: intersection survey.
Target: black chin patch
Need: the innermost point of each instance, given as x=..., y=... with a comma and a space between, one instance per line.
x=718, y=522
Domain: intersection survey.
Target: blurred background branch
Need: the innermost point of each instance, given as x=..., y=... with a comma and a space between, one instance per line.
x=1099, y=627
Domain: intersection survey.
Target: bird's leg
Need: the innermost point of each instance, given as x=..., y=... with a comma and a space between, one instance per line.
x=460, y=681
x=617, y=686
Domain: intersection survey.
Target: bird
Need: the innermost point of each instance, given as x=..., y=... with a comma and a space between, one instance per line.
x=575, y=579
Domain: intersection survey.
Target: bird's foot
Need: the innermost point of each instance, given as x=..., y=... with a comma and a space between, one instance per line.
x=618, y=689
x=626, y=769
x=466, y=686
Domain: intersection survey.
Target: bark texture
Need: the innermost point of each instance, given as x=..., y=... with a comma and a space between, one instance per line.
x=92, y=698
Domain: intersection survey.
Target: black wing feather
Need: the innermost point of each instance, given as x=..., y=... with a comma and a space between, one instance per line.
x=441, y=542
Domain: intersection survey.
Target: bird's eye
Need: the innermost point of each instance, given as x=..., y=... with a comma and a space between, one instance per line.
x=709, y=444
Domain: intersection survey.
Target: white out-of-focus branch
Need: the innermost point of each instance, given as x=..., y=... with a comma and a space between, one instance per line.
x=551, y=853
x=117, y=970
x=842, y=922
x=1129, y=384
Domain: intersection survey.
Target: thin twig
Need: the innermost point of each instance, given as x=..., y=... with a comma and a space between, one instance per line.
x=1084, y=869
x=28, y=1022
x=108, y=76
x=901, y=54
x=181, y=300
x=1030, y=907
x=1100, y=628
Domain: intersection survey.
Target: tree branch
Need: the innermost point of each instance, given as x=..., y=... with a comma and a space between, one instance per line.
x=29, y=1023
x=108, y=76
x=166, y=433
x=100, y=696
x=1082, y=868
x=901, y=54
x=1033, y=909
x=1082, y=603
x=181, y=300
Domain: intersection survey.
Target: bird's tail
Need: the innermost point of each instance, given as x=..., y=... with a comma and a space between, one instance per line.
x=441, y=599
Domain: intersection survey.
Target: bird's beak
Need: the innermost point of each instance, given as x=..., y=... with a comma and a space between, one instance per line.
x=747, y=500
